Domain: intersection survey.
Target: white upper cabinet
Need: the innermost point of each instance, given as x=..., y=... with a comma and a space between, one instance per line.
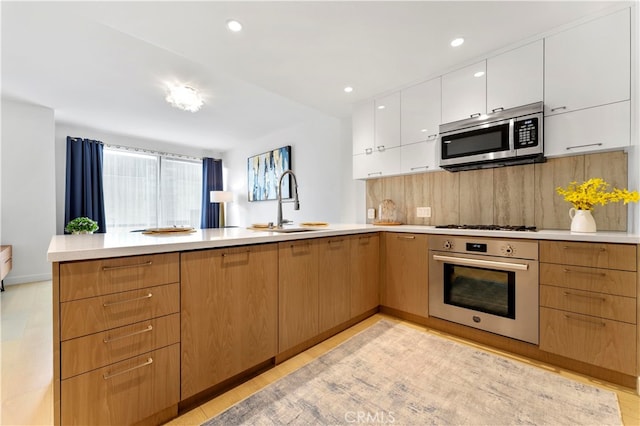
x=605, y=127
x=379, y=163
x=464, y=93
x=362, y=127
x=588, y=65
x=420, y=112
x=514, y=78
x=387, y=121
x=419, y=157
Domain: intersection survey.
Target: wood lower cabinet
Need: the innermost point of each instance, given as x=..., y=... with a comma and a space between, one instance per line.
x=405, y=273
x=116, y=340
x=125, y=392
x=298, y=295
x=229, y=302
x=365, y=273
x=334, y=287
x=588, y=303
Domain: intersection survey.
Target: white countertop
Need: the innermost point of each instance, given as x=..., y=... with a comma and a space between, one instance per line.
x=81, y=247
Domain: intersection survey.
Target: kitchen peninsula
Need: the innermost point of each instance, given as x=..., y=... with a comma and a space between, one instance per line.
x=147, y=324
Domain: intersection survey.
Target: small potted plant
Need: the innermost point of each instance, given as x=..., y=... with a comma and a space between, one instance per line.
x=81, y=225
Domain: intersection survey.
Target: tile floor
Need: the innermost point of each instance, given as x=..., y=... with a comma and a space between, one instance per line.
x=26, y=364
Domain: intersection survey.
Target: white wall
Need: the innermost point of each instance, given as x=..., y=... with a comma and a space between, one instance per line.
x=634, y=151
x=321, y=160
x=62, y=130
x=27, y=196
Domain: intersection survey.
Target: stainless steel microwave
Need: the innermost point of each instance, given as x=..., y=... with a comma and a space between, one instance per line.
x=503, y=138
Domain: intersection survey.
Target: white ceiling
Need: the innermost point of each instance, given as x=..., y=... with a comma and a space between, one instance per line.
x=104, y=64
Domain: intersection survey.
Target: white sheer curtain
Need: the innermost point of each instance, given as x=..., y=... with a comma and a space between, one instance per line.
x=180, y=192
x=147, y=190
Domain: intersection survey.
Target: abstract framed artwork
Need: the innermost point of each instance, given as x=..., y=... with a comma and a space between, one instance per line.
x=263, y=174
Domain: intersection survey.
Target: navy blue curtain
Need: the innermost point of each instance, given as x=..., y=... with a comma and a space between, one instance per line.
x=84, y=194
x=211, y=181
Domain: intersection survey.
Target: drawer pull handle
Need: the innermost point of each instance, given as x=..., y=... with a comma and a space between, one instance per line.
x=571, y=317
x=124, y=336
x=419, y=167
x=108, y=376
x=588, y=296
x=239, y=252
x=558, y=108
x=583, y=146
x=336, y=241
x=364, y=237
x=107, y=304
x=113, y=268
x=569, y=271
x=583, y=248
x=407, y=237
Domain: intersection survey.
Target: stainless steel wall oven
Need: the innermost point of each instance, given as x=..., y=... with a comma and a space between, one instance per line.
x=486, y=283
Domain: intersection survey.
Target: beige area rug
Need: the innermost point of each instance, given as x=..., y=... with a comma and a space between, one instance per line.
x=393, y=374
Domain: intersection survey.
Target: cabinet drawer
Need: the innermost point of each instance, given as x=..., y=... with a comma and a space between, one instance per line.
x=79, y=280
x=87, y=316
x=589, y=303
x=621, y=283
x=605, y=343
x=597, y=255
x=123, y=393
x=97, y=350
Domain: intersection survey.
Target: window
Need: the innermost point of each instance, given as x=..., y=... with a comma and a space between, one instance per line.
x=147, y=190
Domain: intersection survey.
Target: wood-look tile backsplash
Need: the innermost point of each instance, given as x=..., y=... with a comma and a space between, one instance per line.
x=515, y=195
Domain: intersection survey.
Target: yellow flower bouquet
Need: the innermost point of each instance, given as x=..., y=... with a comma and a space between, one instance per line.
x=586, y=195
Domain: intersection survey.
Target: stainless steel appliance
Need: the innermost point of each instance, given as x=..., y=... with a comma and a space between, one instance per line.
x=507, y=137
x=487, y=283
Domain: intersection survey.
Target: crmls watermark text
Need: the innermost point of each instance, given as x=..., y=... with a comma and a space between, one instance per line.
x=380, y=417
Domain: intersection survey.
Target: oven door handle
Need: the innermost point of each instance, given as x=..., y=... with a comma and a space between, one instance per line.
x=482, y=263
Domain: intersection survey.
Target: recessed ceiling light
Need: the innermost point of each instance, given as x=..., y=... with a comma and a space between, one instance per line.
x=348, y=89
x=423, y=130
x=234, y=25
x=184, y=97
x=457, y=42
x=381, y=107
x=479, y=74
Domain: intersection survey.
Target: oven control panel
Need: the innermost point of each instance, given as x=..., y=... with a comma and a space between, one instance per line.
x=522, y=249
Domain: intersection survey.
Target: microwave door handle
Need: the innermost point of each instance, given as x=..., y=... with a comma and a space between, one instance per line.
x=482, y=263
x=512, y=127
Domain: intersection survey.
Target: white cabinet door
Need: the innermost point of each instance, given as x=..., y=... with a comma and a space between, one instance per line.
x=419, y=157
x=588, y=65
x=362, y=127
x=514, y=78
x=593, y=129
x=420, y=112
x=377, y=164
x=387, y=121
x=464, y=92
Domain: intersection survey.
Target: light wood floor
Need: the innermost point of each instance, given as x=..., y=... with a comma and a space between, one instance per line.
x=26, y=363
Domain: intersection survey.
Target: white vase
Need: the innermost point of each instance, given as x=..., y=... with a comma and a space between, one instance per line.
x=582, y=221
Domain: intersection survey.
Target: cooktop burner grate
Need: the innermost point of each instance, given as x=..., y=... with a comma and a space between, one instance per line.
x=491, y=227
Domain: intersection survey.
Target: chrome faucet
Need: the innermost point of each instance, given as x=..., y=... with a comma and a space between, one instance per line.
x=296, y=203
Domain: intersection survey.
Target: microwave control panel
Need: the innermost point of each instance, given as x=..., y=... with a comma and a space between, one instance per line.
x=525, y=133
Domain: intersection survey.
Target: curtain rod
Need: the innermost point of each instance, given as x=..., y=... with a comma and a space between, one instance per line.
x=149, y=151
x=146, y=151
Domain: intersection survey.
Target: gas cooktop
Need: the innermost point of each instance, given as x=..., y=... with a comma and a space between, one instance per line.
x=491, y=227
